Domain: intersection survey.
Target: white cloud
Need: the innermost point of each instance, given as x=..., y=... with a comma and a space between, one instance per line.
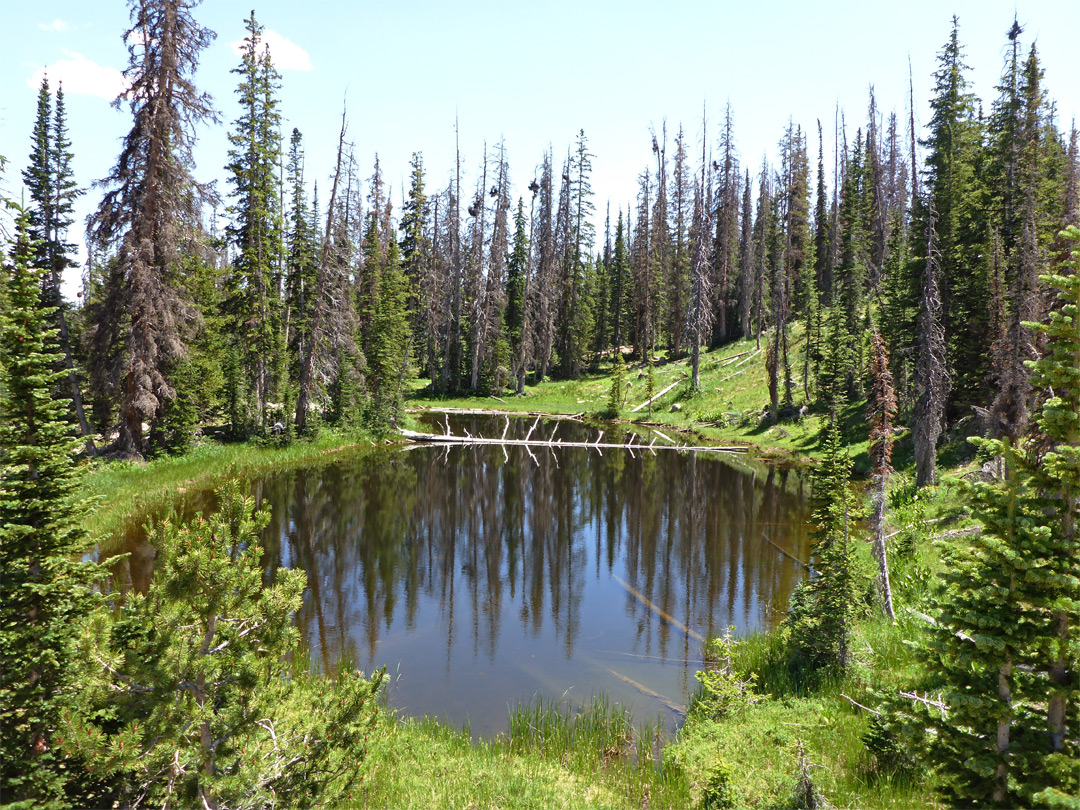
x=81, y=77
x=285, y=54
x=55, y=25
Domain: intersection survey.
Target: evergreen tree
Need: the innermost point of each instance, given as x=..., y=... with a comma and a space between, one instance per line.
x=617, y=392
x=1055, y=580
x=575, y=308
x=747, y=260
x=517, y=268
x=954, y=190
x=47, y=591
x=823, y=607
x=681, y=197
x=152, y=215
x=415, y=251
x=388, y=359
x=1021, y=135
x=198, y=703
x=1005, y=634
x=40, y=179
x=620, y=286
x=822, y=255
x=254, y=301
x=726, y=243
x=50, y=181
x=300, y=269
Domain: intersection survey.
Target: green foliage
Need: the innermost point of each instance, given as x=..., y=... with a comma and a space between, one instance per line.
x=253, y=302
x=719, y=791
x=618, y=385
x=516, y=269
x=1004, y=637
x=389, y=360
x=46, y=590
x=195, y=700
x=823, y=607
x=722, y=688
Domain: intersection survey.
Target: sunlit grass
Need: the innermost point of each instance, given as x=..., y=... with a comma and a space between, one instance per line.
x=123, y=492
x=730, y=405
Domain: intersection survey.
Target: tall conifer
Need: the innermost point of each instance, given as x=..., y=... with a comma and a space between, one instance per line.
x=46, y=589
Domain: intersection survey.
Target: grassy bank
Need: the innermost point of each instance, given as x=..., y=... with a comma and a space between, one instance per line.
x=729, y=406
x=124, y=491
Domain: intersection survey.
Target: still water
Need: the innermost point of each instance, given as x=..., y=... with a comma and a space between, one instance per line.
x=482, y=576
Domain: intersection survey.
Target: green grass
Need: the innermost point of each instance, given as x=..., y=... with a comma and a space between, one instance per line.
x=124, y=492
x=556, y=755
x=729, y=407
x=759, y=744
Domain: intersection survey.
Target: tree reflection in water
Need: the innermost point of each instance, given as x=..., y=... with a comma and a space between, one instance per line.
x=485, y=578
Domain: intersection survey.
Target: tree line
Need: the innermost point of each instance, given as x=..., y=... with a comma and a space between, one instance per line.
x=934, y=278
x=289, y=312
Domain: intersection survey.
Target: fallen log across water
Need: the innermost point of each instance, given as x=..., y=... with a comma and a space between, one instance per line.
x=551, y=441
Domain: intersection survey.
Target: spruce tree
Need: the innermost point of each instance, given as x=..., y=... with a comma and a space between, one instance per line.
x=40, y=179
x=1004, y=642
x=388, y=359
x=1055, y=579
x=954, y=191
x=517, y=267
x=620, y=286
x=300, y=243
x=53, y=192
x=46, y=590
x=151, y=215
x=254, y=301
x=415, y=247
x=822, y=610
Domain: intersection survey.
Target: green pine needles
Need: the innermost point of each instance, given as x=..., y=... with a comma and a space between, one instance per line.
x=46, y=590
x=822, y=610
x=196, y=701
x=1004, y=647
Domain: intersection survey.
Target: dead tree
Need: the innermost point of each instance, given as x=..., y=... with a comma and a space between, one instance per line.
x=699, y=313
x=880, y=412
x=931, y=375
x=308, y=367
x=152, y=214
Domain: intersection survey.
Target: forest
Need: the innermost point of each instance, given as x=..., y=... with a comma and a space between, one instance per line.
x=931, y=278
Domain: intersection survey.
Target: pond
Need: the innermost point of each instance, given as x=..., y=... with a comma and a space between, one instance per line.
x=484, y=576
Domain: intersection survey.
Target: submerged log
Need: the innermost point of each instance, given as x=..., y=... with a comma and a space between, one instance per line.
x=667, y=617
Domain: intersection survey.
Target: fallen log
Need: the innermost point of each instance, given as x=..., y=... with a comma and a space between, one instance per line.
x=448, y=438
x=650, y=401
x=667, y=617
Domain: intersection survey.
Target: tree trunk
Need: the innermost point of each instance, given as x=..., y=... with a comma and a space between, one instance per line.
x=1001, y=772
x=320, y=290
x=879, y=547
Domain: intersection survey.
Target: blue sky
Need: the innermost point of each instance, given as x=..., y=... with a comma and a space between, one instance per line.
x=532, y=73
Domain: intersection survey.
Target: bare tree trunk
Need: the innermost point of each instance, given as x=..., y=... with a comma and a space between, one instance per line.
x=73, y=380
x=1001, y=772
x=879, y=547
x=931, y=374
x=320, y=291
